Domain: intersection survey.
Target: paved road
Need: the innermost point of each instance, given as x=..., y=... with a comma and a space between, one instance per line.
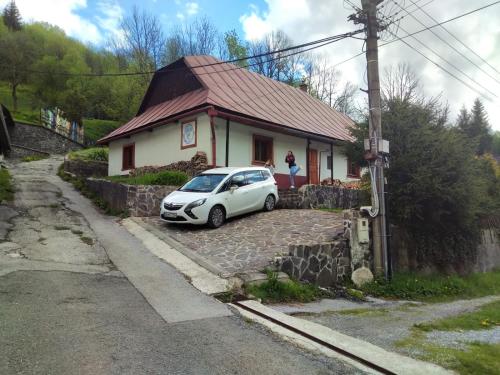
x=66, y=306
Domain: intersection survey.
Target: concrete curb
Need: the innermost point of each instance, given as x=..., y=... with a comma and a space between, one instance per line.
x=199, y=277
x=209, y=266
x=391, y=361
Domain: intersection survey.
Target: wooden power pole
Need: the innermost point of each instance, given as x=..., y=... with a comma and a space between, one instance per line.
x=369, y=17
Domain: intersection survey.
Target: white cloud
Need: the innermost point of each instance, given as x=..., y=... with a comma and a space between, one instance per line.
x=64, y=13
x=192, y=8
x=112, y=15
x=307, y=20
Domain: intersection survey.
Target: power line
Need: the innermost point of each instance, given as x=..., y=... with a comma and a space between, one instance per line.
x=449, y=63
x=457, y=39
x=441, y=67
x=449, y=45
x=422, y=30
x=326, y=41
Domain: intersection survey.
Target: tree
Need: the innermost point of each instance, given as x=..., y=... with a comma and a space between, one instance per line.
x=401, y=83
x=475, y=127
x=234, y=48
x=438, y=188
x=495, y=143
x=17, y=53
x=199, y=37
x=143, y=40
x=12, y=17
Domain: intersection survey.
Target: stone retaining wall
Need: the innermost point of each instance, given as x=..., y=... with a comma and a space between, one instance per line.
x=323, y=264
x=86, y=168
x=136, y=200
x=40, y=139
x=319, y=196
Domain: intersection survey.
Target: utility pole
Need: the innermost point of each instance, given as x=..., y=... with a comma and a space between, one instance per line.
x=368, y=16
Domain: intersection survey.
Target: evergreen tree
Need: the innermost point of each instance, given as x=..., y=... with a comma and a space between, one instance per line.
x=12, y=17
x=463, y=120
x=480, y=127
x=475, y=127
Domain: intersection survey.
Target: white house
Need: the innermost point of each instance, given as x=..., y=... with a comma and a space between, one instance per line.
x=238, y=118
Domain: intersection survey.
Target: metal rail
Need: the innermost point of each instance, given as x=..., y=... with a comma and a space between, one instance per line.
x=341, y=351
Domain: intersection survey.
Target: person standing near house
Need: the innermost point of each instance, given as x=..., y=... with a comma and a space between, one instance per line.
x=290, y=159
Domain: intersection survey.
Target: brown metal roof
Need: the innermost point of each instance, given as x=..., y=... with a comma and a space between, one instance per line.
x=242, y=92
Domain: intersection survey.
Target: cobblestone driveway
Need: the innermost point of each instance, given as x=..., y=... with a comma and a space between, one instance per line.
x=250, y=242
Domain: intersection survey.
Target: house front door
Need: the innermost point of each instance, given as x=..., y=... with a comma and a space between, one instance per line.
x=313, y=167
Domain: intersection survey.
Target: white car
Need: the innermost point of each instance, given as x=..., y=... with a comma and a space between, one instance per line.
x=220, y=193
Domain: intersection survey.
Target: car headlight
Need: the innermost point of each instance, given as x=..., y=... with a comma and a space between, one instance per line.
x=196, y=203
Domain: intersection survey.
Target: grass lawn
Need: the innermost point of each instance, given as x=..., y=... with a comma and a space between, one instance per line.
x=472, y=358
x=34, y=158
x=435, y=288
x=90, y=154
x=274, y=291
x=6, y=188
x=171, y=178
x=96, y=129
x=484, y=318
x=26, y=111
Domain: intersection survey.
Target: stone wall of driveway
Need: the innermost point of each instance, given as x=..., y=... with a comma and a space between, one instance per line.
x=319, y=196
x=324, y=264
x=41, y=139
x=136, y=200
x=86, y=168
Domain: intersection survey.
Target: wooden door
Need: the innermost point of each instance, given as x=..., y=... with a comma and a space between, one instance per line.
x=313, y=167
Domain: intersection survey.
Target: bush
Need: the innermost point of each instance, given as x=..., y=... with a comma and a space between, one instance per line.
x=273, y=290
x=171, y=178
x=90, y=154
x=435, y=287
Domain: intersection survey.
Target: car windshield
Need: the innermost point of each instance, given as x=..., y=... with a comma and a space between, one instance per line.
x=203, y=183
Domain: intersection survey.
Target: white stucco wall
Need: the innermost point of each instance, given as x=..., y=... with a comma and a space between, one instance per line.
x=161, y=146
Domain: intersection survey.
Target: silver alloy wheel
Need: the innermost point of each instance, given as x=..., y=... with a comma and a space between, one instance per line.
x=269, y=203
x=217, y=217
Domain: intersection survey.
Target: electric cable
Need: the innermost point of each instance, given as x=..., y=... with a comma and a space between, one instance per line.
x=450, y=45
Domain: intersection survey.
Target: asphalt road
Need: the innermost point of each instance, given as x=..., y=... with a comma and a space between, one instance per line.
x=65, y=308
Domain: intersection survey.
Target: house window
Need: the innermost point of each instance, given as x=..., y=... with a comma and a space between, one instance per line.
x=262, y=149
x=128, y=157
x=353, y=169
x=329, y=162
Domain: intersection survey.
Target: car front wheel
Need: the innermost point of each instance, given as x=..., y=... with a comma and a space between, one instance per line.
x=269, y=203
x=216, y=217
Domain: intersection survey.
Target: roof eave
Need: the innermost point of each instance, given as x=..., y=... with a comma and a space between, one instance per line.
x=106, y=140
x=255, y=121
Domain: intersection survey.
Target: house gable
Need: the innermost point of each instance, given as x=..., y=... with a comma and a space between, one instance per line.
x=168, y=83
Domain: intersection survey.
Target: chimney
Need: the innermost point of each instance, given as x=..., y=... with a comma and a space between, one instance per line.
x=303, y=86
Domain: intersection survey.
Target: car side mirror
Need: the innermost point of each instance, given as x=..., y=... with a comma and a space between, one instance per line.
x=232, y=188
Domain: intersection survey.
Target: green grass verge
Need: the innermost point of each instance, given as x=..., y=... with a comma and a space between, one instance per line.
x=172, y=178
x=274, y=291
x=26, y=110
x=435, y=288
x=29, y=158
x=90, y=154
x=79, y=184
x=95, y=129
x=485, y=317
x=6, y=187
x=474, y=359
